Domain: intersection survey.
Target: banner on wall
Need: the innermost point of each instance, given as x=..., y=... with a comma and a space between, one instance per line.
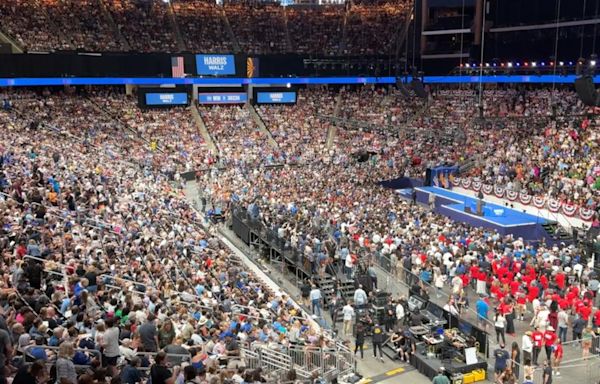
x=215, y=64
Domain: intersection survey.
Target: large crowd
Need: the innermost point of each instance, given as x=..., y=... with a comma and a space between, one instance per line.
x=106, y=264
x=101, y=252
x=121, y=25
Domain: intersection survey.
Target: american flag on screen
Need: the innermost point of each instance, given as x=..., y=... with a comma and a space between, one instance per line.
x=177, y=66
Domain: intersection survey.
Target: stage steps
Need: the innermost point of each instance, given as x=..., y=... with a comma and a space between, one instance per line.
x=326, y=285
x=556, y=231
x=388, y=351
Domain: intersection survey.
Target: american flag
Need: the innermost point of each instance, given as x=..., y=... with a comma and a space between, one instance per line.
x=177, y=66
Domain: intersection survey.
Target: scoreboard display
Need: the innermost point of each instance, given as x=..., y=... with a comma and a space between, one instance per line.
x=222, y=98
x=215, y=65
x=288, y=97
x=166, y=99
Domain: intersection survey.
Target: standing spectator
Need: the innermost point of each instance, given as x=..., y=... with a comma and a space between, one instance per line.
x=149, y=334
x=400, y=313
x=65, y=369
x=538, y=341
x=348, y=314
x=549, y=340
x=441, y=377
x=378, y=340
x=360, y=297
x=6, y=352
x=547, y=373
x=500, y=326
x=515, y=358
x=578, y=325
x=558, y=355
x=586, y=342
x=359, y=342
x=305, y=292
x=431, y=201
x=563, y=324
x=159, y=373
x=527, y=346
x=315, y=299
x=110, y=344
x=482, y=311
x=501, y=356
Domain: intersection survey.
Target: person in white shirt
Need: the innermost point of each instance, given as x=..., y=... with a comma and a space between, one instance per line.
x=360, y=297
x=527, y=346
x=399, y=314
x=348, y=314
x=315, y=298
x=451, y=307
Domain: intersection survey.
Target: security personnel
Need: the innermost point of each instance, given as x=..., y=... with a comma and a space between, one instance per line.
x=378, y=340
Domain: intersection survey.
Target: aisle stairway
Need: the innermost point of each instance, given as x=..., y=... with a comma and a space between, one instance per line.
x=261, y=124
x=208, y=139
x=117, y=32
x=4, y=38
x=331, y=132
x=173, y=21
x=234, y=40
x=288, y=38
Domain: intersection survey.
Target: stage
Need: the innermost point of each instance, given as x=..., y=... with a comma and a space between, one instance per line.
x=500, y=218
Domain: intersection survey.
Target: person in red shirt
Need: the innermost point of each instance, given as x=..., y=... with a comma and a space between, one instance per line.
x=558, y=355
x=596, y=319
x=514, y=286
x=549, y=340
x=560, y=280
x=538, y=340
x=534, y=291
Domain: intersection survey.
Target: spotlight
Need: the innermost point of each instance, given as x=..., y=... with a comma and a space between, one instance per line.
x=518, y=64
x=487, y=65
x=561, y=63
x=467, y=65
x=509, y=64
x=543, y=64
x=288, y=85
x=533, y=64
x=592, y=63
x=526, y=64
x=502, y=64
x=570, y=63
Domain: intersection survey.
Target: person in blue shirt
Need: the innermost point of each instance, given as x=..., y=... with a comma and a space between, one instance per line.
x=38, y=352
x=482, y=311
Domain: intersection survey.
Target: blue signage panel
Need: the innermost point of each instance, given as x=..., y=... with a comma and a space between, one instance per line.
x=222, y=98
x=166, y=98
x=215, y=64
x=276, y=97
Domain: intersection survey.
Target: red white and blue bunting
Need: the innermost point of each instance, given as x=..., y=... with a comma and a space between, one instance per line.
x=499, y=192
x=539, y=202
x=586, y=214
x=553, y=205
x=511, y=195
x=525, y=198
